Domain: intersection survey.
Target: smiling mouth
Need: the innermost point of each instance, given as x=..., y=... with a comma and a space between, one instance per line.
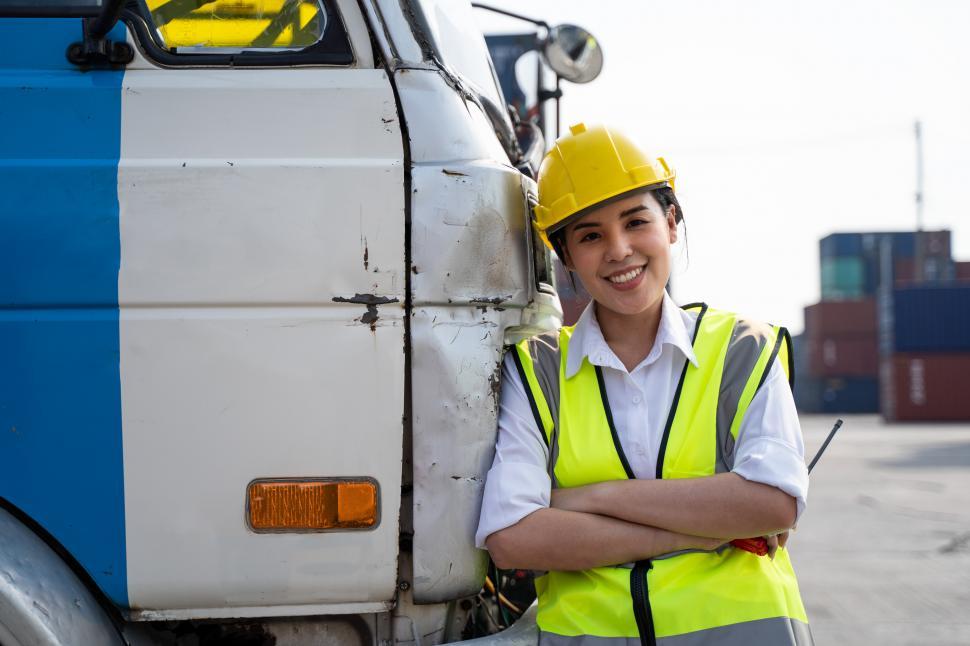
x=619, y=279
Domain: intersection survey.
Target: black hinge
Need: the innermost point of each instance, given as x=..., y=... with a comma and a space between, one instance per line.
x=96, y=50
x=641, y=602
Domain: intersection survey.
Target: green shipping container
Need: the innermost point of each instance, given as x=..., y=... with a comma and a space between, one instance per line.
x=843, y=277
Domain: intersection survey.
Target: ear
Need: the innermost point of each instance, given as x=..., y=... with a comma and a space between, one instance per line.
x=672, y=223
x=567, y=260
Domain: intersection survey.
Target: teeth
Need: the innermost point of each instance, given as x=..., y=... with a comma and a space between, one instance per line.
x=628, y=276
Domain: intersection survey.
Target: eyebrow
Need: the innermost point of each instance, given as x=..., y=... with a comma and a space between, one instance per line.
x=632, y=210
x=629, y=211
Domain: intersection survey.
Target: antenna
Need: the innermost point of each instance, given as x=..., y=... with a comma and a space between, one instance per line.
x=919, y=174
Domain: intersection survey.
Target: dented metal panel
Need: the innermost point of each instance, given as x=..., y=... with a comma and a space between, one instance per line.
x=471, y=277
x=468, y=243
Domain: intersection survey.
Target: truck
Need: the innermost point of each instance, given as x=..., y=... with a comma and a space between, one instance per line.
x=259, y=260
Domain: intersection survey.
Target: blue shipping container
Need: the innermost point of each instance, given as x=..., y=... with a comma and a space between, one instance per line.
x=903, y=243
x=837, y=394
x=932, y=319
x=840, y=244
x=857, y=244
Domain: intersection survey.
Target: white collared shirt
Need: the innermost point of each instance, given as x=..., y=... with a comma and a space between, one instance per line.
x=769, y=446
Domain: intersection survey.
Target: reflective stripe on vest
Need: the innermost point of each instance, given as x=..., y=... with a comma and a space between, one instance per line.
x=688, y=595
x=768, y=632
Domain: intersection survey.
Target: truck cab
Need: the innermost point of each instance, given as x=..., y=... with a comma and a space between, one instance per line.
x=259, y=263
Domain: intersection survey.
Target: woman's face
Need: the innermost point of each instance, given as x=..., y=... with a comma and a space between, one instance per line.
x=621, y=252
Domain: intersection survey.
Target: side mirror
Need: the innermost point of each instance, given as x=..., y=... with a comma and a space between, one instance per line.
x=573, y=53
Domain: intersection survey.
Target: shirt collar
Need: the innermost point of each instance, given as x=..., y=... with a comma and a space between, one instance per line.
x=676, y=329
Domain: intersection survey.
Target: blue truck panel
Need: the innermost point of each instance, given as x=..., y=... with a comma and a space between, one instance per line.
x=60, y=390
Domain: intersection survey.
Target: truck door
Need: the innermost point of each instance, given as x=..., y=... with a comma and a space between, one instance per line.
x=212, y=295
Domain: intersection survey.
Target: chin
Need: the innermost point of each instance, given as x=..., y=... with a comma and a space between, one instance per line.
x=631, y=305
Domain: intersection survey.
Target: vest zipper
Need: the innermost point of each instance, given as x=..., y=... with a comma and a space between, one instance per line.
x=641, y=602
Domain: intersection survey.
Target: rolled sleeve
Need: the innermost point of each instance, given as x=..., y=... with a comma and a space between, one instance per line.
x=770, y=449
x=517, y=484
x=513, y=490
x=776, y=464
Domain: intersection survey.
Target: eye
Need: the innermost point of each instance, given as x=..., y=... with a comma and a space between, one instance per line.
x=637, y=222
x=592, y=235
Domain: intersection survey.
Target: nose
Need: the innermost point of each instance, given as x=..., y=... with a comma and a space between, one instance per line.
x=618, y=247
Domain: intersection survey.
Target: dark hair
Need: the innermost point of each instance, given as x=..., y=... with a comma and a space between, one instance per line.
x=665, y=197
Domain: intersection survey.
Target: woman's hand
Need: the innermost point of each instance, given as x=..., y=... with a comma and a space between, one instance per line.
x=776, y=541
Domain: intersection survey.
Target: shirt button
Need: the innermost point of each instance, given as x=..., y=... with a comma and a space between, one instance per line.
x=636, y=399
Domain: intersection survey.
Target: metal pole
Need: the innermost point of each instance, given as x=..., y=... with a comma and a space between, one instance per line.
x=540, y=105
x=558, y=124
x=919, y=175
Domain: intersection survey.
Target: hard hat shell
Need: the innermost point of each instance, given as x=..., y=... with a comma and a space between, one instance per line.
x=588, y=167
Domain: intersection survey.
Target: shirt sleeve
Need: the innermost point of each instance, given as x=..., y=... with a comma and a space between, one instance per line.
x=770, y=448
x=517, y=484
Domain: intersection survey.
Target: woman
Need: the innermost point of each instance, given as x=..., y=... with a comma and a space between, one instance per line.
x=635, y=445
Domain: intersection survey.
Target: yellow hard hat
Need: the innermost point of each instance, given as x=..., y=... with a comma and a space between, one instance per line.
x=588, y=167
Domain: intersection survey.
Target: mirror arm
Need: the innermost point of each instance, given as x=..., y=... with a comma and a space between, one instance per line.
x=96, y=49
x=545, y=95
x=503, y=12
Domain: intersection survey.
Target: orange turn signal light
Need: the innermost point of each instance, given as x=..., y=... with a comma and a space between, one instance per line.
x=312, y=505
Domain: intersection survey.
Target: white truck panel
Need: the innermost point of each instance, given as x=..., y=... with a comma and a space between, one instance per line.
x=249, y=201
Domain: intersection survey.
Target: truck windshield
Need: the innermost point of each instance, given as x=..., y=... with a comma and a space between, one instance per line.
x=461, y=45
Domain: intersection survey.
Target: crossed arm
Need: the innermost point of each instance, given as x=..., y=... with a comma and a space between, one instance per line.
x=628, y=520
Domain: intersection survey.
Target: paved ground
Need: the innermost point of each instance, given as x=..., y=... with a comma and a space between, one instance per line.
x=883, y=550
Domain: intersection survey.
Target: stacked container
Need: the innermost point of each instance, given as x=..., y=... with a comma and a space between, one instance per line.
x=961, y=271
x=839, y=358
x=850, y=338
x=851, y=263
x=926, y=372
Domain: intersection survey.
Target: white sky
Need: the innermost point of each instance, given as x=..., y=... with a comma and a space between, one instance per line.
x=785, y=121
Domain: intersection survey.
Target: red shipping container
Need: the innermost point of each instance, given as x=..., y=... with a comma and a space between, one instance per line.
x=926, y=387
x=835, y=318
x=843, y=356
x=905, y=271
x=933, y=243
x=962, y=271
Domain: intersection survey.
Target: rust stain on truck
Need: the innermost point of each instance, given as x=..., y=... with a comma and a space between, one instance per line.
x=370, y=316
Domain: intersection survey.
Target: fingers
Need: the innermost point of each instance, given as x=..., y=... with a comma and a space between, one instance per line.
x=783, y=538
x=772, y=545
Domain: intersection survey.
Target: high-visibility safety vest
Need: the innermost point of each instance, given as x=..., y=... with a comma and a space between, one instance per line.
x=727, y=596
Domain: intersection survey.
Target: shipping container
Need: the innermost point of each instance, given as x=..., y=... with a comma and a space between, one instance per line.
x=843, y=356
x=926, y=386
x=840, y=244
x=837, y=395
x=961, y=271
x=926, y=257
x=843, y=277
x=903, y=243
x=829, y=318
x=800, y=356
x=933, y=243
x=904, y=272
x=931, y=319
x=934, y=269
